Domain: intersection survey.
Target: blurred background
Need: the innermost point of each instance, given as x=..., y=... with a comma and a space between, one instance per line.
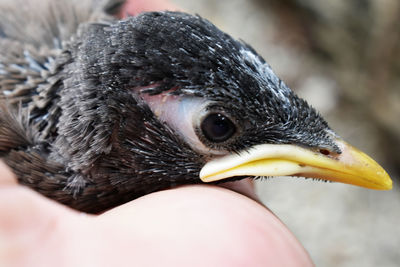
x=344, y=58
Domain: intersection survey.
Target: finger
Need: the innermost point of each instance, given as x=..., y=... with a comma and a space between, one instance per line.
x=134, y=7
x=203, y=226
x=31, y=228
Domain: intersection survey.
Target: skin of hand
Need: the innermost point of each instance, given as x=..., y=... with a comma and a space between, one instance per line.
x=186, y=226
x=196, y=225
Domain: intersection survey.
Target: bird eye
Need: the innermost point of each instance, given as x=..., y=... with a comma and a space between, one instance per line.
x=217, y=128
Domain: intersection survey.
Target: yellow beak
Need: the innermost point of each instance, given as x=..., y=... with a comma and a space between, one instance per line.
x=351, y=166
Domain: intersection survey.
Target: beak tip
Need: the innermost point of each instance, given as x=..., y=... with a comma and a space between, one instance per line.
x=388, y=184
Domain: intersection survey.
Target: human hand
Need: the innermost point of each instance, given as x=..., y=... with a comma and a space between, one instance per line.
x=186, y=226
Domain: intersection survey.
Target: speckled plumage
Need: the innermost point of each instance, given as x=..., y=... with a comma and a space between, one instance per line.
x=74, y=125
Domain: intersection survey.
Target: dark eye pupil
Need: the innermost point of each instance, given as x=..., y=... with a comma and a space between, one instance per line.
x=217, y=128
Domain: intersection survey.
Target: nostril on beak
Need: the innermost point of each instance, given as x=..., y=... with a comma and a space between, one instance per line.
x=329, y=153
x=324, y=152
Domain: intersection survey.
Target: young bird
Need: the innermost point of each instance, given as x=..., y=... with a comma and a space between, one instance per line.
x=96, y=112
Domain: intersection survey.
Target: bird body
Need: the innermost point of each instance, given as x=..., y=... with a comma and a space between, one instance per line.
x=98, y=111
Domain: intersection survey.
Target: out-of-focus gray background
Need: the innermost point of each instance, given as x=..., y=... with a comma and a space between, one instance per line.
x=344, y=58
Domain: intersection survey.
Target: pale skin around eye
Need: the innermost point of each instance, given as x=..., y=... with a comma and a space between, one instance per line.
x=187, y=226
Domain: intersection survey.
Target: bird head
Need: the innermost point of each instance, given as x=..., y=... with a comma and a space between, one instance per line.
x=195, y=105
